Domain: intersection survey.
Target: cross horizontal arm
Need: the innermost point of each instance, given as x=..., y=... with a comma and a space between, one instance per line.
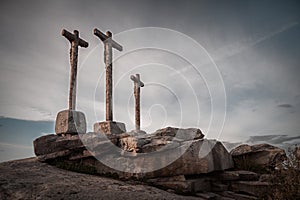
x=72, y=37
x=105, y=38
x=139, y=82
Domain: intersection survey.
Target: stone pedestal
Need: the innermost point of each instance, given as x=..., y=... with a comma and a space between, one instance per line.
x=70, y=122
x=109, y=127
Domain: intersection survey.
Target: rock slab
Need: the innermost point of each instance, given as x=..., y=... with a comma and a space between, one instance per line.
x=30, y=179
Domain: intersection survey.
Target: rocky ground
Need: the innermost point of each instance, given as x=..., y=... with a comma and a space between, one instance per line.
x=202, y=168
x=30, y=179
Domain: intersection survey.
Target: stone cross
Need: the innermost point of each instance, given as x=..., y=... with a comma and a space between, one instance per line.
x=137, y=84
x=108, y=45
x=75, y=42
x=70, y=122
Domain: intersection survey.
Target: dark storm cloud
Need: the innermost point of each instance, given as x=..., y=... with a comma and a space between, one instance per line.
x=25, y=25
x=285, y=106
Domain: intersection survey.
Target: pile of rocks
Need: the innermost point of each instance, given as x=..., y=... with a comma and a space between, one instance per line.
x=181, y=151
x=192, y=164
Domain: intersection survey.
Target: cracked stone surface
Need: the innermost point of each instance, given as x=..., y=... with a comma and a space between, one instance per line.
x=30, y=179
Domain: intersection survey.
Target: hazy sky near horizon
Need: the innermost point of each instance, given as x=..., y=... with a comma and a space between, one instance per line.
x=254, y=45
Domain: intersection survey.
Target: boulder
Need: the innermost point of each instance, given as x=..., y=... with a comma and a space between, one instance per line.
x=166, y=138
x=55, y=143
x=180, y=133
x=201, y=156
x=263, y=155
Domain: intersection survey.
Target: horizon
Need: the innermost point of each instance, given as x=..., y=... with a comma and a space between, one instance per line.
x=21, y=145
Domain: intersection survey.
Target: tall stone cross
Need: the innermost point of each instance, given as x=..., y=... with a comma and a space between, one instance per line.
x=71, y=121
x=137, y=85
x=108, y=45
x=75, y=42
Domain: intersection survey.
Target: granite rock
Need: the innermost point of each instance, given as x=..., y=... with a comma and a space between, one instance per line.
x=264, y=155
x=70, y=122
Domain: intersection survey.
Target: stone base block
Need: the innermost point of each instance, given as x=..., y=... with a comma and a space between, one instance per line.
x=70, y=122
x=109, y=127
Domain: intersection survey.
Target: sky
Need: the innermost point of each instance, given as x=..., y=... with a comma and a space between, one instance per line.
x=230, y=68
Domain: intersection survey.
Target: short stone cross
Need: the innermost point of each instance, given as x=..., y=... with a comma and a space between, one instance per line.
x=108, y=45
x=75, y=42
x=137, y=85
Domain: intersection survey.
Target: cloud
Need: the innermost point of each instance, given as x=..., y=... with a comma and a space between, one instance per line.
x=15, y=146
x=285, y=106
x=244, y=44
x=242, y=122
x=13, y=151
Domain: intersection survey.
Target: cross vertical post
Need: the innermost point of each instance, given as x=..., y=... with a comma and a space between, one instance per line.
x=108, y=45
x=109, y=81
x=71, y=121
x=75, y=42
x=109, y=126
x=137, y=85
